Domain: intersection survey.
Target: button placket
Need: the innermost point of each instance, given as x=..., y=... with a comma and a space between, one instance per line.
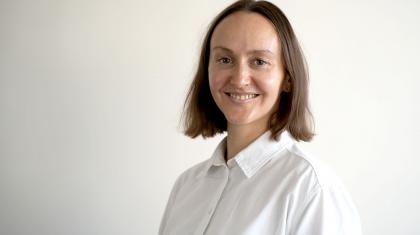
x=215, y=203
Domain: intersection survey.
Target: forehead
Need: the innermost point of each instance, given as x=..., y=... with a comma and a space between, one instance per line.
x=245, y=31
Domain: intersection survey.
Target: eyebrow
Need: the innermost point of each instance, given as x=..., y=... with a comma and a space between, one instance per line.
x=249, y=52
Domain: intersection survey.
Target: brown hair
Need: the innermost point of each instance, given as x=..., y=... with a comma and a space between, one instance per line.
x=201, y=115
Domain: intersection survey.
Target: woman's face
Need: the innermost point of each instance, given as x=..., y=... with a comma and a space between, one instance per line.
x=245, y=68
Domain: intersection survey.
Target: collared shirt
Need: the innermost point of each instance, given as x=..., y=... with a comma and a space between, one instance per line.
x=270, y=187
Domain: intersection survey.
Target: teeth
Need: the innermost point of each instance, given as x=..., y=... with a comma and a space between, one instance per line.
x=243, y=97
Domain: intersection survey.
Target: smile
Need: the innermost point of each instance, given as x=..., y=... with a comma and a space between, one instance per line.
x=241, y=97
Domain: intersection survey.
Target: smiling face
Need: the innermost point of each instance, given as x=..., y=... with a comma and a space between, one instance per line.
x=245, y=69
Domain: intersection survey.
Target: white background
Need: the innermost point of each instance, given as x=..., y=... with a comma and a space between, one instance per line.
x=91, y=94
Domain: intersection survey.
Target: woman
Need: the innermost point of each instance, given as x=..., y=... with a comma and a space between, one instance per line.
x=252, y=83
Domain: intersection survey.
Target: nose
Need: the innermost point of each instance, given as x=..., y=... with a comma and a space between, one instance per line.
x=241, y=75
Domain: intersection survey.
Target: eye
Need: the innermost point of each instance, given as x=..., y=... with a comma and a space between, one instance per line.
x=260, y=62
x=224, y=60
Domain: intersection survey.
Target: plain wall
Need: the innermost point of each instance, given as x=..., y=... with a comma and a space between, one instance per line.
x=91, y=94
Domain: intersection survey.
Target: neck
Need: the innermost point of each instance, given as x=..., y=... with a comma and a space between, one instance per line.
x=240, y=136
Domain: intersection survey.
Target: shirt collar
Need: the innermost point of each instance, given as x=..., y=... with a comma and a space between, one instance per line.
x=254, y=156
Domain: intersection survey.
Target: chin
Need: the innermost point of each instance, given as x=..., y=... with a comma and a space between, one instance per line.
x=255, y=120
x=236, y=121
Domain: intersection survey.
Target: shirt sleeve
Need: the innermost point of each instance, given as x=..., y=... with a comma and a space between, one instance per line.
x=169, y=205
x=327, y=212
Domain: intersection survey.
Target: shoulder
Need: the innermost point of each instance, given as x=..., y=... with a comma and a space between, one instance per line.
x=322, y=197
x=311, y=168
x=193, y=171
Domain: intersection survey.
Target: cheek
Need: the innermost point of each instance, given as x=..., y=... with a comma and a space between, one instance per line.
x=271, y=84
x=216, y=81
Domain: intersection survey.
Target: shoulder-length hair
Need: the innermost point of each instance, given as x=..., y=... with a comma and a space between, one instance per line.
x=201, y=116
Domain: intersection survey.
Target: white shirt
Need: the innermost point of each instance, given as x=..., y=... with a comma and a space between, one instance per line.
x=270, y=187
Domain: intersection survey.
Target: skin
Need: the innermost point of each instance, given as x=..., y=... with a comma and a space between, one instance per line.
x=245, y=58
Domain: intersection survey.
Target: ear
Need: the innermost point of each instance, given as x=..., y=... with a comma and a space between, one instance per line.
x=286, y=85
